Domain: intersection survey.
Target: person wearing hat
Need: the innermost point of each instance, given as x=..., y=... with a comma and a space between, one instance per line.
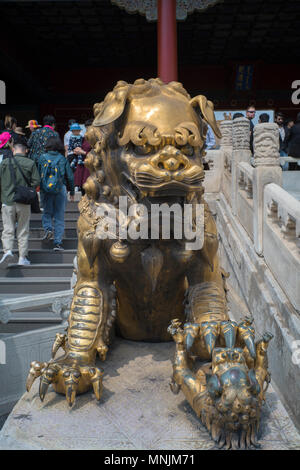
x=32, y=125
x=68, y=135
x=75, y=141
x=5, y=145
x=39, y=137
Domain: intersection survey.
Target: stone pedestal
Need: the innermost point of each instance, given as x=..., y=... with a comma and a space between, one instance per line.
x=241, y=153
x=266, y=170
x=226, y=149
x=137, y=411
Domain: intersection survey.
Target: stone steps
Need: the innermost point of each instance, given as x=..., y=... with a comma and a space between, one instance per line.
x=68, y=214
x=37, y=223
x=38, y=232
x=33, y=285
x=38, y=270
x=49, y=274
x=38, y=244
x=48, y=256
x=72, y=206
x=30, y=321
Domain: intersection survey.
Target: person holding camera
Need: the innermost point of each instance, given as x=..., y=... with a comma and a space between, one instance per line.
x=75, y=141
x=81, y=173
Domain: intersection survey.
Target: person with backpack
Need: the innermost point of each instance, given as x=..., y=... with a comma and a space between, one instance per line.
x=56, y=177
x=17, y=173
x=39, y=137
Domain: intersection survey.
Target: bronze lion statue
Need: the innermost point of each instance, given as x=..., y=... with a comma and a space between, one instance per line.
x=148, y=141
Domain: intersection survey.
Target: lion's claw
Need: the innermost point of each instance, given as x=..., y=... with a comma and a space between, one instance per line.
x=66, y=377
x=96, y=379
x=48, y=376
x=36, y=369
x=71, y=380
x=60, y=342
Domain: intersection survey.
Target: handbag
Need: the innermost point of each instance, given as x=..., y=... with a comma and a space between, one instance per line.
x=23, y=194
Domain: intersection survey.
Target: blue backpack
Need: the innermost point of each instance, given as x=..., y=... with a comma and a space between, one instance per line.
x=51, y=179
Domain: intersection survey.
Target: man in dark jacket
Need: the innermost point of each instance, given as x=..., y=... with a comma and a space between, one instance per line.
x=39, y=137
x=250, y=114
x=15, y=212
x=283, y=134
x=293, y=140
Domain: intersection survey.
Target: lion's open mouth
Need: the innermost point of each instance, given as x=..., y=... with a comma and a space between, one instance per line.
x=147, y=180
x=147, y=184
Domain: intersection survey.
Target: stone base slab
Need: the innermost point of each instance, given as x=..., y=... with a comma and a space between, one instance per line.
x=137, y=411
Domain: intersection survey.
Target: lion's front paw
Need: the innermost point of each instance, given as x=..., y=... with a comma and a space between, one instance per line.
x=68, y=375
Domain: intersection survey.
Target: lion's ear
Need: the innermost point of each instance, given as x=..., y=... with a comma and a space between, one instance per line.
x=112, y=107
x=207, y=110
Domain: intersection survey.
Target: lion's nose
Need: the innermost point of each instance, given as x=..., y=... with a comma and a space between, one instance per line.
x=171, y=164
x=171, y=159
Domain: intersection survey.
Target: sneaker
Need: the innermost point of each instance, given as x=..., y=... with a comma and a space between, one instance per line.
x=7, y=258
x=58, y=247
x=47, y=235
x=23, y=261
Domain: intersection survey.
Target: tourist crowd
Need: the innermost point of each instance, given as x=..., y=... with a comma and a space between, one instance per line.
x=289, y=135
x=38, y=163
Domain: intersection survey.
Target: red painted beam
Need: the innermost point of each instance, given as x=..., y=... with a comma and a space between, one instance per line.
x=167, y=40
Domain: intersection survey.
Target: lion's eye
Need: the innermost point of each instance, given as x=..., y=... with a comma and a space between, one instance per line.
x=143, y=149
x=187, y=150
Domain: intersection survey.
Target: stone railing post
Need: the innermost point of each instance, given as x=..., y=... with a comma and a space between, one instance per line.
x=226, y=131
x=241, y=153
x=226, y=146
x=266, y=170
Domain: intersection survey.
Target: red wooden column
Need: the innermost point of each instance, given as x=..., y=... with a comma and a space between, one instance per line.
x=167, y=40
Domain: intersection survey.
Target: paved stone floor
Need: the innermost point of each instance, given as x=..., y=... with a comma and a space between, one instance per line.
x=137, y=411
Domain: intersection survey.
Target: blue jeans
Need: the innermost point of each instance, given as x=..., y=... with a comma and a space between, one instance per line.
x=285, y=166
x=54, y=208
